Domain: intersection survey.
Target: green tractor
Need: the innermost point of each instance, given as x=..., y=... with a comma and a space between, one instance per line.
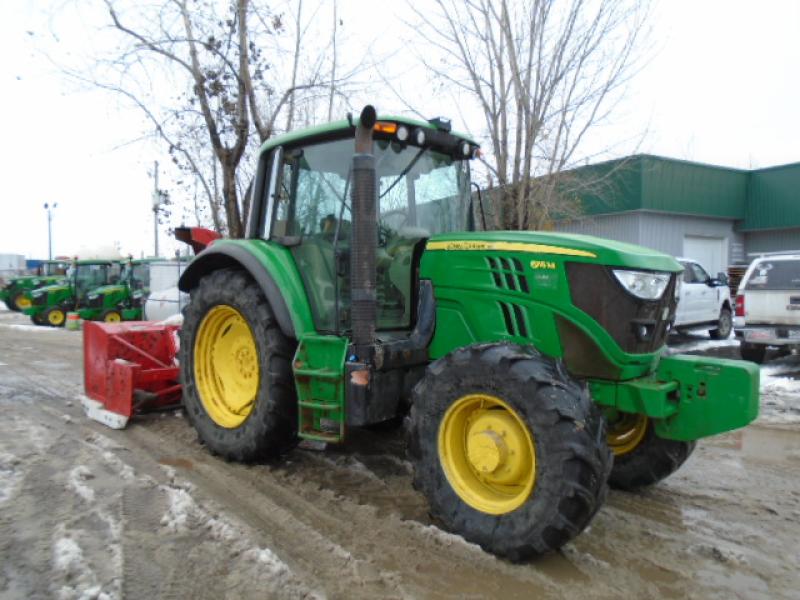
x=50, y=304
x=529, y=365
x=120, y=301
x=16, y=293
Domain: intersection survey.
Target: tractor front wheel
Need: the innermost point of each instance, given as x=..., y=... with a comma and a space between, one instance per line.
x=509, y=451
x=111, y=316
x=238, y=388
x=20, y=302
x=641, y=458
x=55, y=317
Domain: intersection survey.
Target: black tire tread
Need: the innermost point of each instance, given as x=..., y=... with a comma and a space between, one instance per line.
x=651, y=461
x=568, y=422
x=271, y=428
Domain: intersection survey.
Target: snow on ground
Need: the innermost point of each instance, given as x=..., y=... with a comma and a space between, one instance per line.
x=28, y=327
x=172, y=320
x=77, y=477
x=780, y=391
x=10, y=476
x=696, y=341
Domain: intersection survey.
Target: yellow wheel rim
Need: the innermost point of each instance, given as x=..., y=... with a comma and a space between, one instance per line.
x=486, y=451
x=626, y=433
x=23, y=302
x=226, y=366
x=55, y=318
x=112, y=317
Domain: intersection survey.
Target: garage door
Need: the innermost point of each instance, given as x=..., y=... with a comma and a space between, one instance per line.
x=710, y=252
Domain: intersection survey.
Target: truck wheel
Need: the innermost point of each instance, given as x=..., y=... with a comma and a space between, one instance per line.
x=753, y=352
x=724, y=325
x=509, y=451
x=238, y=388
x=641, y=458
x=54, y=317
x=111, y=316
x=20, y=302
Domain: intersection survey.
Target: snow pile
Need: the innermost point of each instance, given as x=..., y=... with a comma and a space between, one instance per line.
x=76, y=480
x=180, y=511
x=698, y=342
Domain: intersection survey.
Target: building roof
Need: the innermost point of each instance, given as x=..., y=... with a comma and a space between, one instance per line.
x=759, y=199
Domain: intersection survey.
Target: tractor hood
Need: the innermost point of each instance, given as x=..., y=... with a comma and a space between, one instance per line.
x=106, y=289
x=50, y=289
x=32, y=279
x=566, y=246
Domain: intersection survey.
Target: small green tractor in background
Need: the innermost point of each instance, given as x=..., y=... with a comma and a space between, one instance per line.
x=50, y=304
x=120, y=301
x=16, y=293
x=529, y=365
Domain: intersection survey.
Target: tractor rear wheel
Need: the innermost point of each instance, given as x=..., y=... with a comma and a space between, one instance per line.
x=238, y=388
x=641, y=458
x=508, y=449
x=55, y=317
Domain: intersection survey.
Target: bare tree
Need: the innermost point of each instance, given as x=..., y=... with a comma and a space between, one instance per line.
x=198, y=71
x=544, y=74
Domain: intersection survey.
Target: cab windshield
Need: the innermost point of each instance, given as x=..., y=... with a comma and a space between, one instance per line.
x=421, y=192
x=88, y=277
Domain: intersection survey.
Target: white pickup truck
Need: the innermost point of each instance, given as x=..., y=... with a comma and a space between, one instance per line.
x=704, y=301
x=768, y=306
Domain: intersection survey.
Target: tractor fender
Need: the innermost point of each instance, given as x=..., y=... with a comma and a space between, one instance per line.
x=223, y=256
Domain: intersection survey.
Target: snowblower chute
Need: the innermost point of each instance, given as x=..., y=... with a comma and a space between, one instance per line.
x=129, y=368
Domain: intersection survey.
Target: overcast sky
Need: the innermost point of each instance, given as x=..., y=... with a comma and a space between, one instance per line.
x=721, y=87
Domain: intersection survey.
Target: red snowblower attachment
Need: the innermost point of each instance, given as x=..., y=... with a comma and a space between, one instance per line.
x=129, y=368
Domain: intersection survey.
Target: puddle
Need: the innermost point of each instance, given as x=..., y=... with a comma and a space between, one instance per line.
x=176, y=462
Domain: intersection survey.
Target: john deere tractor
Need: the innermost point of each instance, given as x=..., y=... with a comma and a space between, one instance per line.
x=120, y=301
x=530, y=365
x=50, y=304
x=16, y=293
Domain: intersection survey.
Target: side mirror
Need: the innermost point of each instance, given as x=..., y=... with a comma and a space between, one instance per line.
x=722, y=278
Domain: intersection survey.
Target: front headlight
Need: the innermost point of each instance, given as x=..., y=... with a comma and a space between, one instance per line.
x=36, y=281
x=643, y=284
x=92, y=296
x=36, y=294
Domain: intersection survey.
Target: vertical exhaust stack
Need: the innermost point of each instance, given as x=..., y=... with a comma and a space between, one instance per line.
x=364, y=237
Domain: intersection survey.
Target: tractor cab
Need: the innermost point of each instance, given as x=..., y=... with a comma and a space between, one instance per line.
x=122, y=299
x=422, y=179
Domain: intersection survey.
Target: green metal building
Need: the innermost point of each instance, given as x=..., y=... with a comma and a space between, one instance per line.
x=717, y=215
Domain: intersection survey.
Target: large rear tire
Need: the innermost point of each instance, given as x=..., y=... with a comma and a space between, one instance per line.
x=509, y=450
x=238, y=387
x=641, y=458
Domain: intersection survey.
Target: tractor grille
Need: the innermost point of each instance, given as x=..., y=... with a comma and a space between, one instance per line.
x=508, y=274
x=39, y=300
x=638, y=326
x=93, y=302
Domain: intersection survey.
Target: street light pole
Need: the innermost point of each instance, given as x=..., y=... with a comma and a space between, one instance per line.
x=50, y=210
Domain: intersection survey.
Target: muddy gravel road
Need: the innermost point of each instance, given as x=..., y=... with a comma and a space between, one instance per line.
x=88, y=512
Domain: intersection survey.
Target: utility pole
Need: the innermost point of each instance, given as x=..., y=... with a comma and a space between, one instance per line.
x=50, y=210
x=156, y=204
